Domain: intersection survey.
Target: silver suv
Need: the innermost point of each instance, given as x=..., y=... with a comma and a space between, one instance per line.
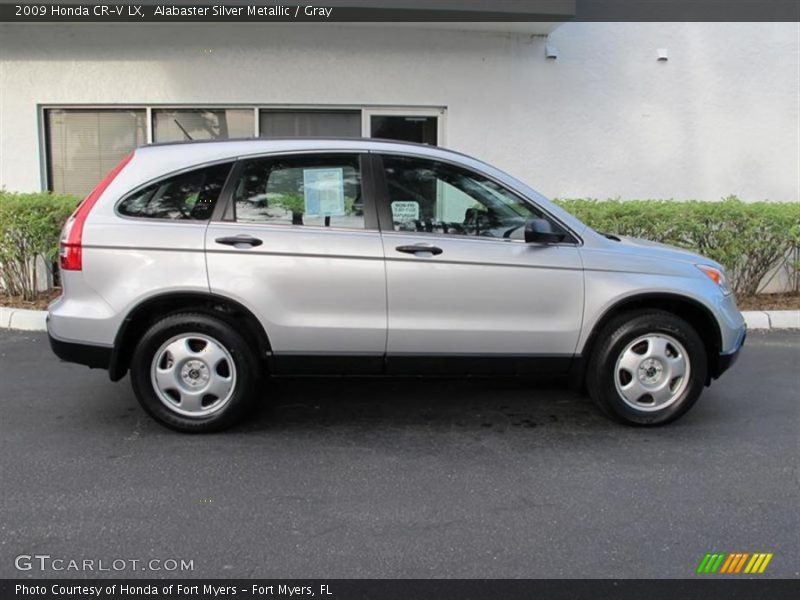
x=203, y=267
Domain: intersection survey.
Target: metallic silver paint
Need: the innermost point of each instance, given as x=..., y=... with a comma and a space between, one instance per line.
x=482, y=296
x=315, y=290
x=322, y=291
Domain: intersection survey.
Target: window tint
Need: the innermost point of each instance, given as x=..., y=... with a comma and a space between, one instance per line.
x=323, y=191
x=188, y=196
x=434, y=197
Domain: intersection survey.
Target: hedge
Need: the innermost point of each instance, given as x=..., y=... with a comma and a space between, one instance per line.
x=30, y=225
x=749, y=238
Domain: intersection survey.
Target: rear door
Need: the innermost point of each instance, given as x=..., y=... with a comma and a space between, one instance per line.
x=465, y=292
x=298, y=244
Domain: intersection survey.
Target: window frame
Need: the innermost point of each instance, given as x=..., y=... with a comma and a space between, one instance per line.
x=225, y=211
x=386, y=219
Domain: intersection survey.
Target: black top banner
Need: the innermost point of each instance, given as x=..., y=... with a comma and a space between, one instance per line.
x=387, y=11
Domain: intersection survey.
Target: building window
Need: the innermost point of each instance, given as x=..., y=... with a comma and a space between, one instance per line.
x=310, y=123
x=415, y=128
x=83, y=145
x=201, y=124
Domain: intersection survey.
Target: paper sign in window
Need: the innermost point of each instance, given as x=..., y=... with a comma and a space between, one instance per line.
x=323, y=191
x=405, y=211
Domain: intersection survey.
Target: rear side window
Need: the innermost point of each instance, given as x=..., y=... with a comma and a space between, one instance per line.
x=190, y=196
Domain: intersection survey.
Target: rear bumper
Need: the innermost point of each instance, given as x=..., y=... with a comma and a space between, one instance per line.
x=726, y=360
x=94, y=357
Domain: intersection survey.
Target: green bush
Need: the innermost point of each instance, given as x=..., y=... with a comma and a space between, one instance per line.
x=749, y=238
x=30, y=225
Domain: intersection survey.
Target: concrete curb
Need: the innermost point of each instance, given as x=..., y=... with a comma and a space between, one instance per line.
x=34, y=320
x=22, y=319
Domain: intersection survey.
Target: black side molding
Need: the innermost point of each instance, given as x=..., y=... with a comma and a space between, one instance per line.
x=94, y=357
x=330, y=364
x=481, y=365
x=421, y=365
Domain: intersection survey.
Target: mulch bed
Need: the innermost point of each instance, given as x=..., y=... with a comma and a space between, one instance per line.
x=41, y=302
x=789, y=301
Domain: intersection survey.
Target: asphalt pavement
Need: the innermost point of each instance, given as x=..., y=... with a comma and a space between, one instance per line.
x=339, y=478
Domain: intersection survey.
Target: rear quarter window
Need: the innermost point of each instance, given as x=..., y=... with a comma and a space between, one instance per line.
x=188, y=196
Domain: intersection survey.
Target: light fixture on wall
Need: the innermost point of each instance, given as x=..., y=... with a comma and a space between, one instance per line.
x=663, y=55
x=550, y=51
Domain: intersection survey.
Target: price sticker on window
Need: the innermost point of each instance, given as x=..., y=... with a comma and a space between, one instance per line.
x=323, y=191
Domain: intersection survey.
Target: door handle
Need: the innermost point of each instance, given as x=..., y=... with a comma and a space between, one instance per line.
x=239, y=241
x=420, y=249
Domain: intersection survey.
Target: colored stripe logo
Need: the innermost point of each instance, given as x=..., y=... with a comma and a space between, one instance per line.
x=735, y=562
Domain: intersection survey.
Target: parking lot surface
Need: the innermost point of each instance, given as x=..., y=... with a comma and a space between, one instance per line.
x=400, y=478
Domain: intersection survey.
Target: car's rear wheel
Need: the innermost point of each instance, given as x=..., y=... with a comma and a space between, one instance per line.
x=647, y=367
x=194, y=373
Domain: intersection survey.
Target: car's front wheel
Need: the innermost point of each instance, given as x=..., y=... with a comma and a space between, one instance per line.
x=647, y=368
x=194, y=372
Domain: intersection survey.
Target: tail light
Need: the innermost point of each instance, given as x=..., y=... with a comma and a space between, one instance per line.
x=71, y=250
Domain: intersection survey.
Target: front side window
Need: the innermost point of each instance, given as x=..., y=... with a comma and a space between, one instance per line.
x=320, y=191
x=189, y=196
x=433, y=197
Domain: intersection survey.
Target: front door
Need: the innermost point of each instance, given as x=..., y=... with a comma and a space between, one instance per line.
x=300, y=247
x=465, y=292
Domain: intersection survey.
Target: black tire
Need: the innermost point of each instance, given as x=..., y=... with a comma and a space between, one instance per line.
x=615, y=337
x=247, y=372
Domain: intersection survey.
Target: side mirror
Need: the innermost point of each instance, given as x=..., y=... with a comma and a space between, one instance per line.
x=540, y=231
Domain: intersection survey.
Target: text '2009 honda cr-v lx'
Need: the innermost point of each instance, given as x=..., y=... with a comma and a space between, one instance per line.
x=201, y=268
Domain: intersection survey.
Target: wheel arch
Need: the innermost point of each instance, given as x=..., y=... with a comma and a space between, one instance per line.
x=694, y=312
x=148, y=311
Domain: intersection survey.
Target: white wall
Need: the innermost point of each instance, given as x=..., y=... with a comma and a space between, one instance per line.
x=604, y=119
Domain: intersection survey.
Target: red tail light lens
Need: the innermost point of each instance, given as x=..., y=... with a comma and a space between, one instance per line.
x=71, y=251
